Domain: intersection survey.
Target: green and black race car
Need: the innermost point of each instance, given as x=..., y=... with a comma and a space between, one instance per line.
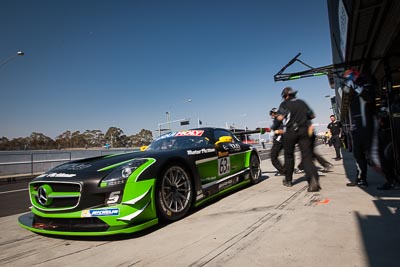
x=125, y=193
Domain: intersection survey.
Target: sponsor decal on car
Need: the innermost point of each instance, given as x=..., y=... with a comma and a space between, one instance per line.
x=201, y=151
x=225, y=184
x=63, y=175
x=234, y=147
x=224, y=166
x=190, y=133
x=228, y=183
x=166, y=135
x=100, y=212
x=72, y=166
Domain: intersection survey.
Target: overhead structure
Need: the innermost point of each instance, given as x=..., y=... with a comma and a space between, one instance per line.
x=330, y=70
x=310, y=72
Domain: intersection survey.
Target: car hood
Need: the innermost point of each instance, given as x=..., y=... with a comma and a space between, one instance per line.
x=91, y=168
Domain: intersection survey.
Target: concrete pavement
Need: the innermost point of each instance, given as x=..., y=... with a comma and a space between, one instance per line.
x=340, y=225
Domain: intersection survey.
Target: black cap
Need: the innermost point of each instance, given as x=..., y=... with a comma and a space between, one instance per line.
x=288, y=91
x=274, y=110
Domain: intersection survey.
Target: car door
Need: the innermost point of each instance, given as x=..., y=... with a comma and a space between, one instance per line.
x=213, y=168
x=234, y=160
x=219, y=171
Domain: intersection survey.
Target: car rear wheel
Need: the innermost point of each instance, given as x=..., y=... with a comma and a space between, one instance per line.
x=255, y=169
x=174, y=193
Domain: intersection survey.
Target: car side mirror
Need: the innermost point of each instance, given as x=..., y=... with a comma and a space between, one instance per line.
x=143, y=148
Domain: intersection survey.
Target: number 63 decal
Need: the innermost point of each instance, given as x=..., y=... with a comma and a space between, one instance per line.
x=224, y=166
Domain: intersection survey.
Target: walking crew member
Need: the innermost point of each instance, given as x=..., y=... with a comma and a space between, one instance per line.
x=298, y=116
x=336, y=130
x=277, y=145
x=321, y=160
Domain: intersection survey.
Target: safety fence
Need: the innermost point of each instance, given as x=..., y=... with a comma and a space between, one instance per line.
x=19, y=164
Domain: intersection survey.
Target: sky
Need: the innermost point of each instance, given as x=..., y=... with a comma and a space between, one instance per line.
x=91, y=65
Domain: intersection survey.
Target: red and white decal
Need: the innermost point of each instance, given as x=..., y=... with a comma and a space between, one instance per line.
x=190, y=133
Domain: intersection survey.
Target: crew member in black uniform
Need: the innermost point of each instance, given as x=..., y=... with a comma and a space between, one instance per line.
x=336, y=130
x=385, y=150
x=361, y=121
x=277, y=145
x=298, y=116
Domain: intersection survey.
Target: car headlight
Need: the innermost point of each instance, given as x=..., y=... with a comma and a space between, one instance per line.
x=121, y=174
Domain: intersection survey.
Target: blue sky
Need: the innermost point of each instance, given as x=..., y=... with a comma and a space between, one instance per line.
x=96, y=64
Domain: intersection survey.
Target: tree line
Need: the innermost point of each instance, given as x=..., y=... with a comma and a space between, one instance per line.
x=114, y=137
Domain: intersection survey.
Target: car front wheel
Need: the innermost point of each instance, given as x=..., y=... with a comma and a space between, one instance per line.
x=174, y=193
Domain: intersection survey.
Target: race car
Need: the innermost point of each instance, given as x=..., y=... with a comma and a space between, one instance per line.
x=126, y=193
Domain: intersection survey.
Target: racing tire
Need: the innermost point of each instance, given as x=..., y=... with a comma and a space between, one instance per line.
x=174, y=193
x=255, y=169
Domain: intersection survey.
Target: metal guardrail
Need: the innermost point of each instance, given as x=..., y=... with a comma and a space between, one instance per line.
x=24, y=164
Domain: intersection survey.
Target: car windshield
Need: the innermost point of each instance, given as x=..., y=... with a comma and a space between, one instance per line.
x=178, y=142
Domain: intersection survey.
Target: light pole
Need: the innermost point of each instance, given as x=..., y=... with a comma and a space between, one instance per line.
x=189, y=100
x=168, y=119
x=4, y=62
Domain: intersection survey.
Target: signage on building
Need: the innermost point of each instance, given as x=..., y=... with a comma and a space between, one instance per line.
x=343, y=23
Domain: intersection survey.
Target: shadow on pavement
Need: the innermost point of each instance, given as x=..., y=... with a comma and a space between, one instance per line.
x=380, y=233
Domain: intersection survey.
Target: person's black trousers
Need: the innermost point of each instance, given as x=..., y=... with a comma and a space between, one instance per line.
x=321, y=160
x=275, y=150
x=336, y=144
x=300, y=137
x=385, y=149
x=361, y=150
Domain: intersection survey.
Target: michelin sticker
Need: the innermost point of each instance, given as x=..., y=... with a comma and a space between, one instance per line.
x=99, y=213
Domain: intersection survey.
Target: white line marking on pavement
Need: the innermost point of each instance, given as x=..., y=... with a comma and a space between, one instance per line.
x=12, y=191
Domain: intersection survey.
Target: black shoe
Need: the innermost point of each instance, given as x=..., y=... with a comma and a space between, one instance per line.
x=354, y=183
x=313, y=185
x=287, y=183
x=337, y=159
x=313, y=189
x=358, y=182
x=279, y=174
x=351, y=184
x=327, y=168
x=363, y=183
x=386, y=186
